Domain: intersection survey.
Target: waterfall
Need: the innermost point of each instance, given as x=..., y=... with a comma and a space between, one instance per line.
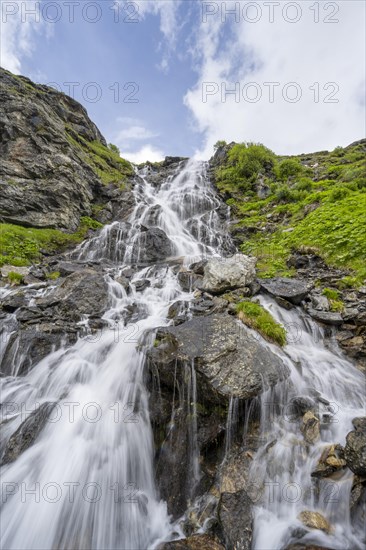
x=284, y=463
x=87, y=482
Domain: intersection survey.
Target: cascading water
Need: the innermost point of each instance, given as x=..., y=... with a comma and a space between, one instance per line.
x=284, y=463
x=87, y=482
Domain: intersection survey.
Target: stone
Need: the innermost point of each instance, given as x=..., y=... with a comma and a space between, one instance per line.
x=194, y=542
x=355, y=451
x=319, y=302
x=153, y=245
x=229, y=361
x=6, y=269
x=235, y=517
x=27, y=433
x=310, y=427
x=327, y=317
x=221, y=274
x=292, y=290
x=315, y=520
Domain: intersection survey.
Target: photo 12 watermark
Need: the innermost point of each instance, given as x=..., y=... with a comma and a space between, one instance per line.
x=270, y=12
x=269, y=92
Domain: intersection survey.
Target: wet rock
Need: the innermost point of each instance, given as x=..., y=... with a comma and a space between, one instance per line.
x=310, y=428
x=195, y=542
x=292, y=290
x=229, y=361
x=178, y=312
x=153, y=245
x=359, y=423
x=198, y=267
x=14, y=301
x=298, y=406
x=27, y=433
x=355, y=449
x=284, y=303
x=81, y=293
x=188, y=280
x=31, y=344
x=141, y=284
x=315, y=520
x=236, y=520
x=330, y=461
x=221, y=274
x=327, y=317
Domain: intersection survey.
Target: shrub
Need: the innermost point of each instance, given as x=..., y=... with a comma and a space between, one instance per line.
x=219, y=144
x=255, y=316
x=114, y=148
x=339, y=193
x=304, y=184
x=288, y=168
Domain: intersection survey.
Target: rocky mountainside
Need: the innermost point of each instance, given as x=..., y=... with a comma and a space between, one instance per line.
x=97, y=297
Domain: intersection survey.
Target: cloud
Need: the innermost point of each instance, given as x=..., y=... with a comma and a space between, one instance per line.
x=147, y=152
x=19, y=29
x=169, y=27
x=231, y=55
x=134, y=133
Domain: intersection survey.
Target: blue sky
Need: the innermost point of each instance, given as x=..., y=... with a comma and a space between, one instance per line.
x=184, y=57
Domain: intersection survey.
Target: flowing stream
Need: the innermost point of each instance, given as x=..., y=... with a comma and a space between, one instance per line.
x=88, y=480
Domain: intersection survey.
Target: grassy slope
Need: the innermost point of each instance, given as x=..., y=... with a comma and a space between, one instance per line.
x=20, y=246
x=323, y=206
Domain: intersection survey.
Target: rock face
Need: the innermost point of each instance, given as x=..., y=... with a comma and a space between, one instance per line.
x=27, y=433
x=51, y=321
x=355, y=449
x=222, y=360
x=292, y=290
x=153, y=246
x=221, y=274
x=236, y=519
x=47, y=175
x=229, y=361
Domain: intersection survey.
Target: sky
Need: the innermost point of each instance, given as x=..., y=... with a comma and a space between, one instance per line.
x=172, y=77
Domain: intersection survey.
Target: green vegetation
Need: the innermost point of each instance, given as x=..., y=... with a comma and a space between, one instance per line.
x=15, y=278
x=333, y=296
x=54, y=275
x=22, y=246
x=255, y=316
x=313, y=201
x=104, y=161
x=114, y=148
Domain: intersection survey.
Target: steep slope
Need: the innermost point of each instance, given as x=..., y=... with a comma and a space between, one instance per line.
x=56, y=170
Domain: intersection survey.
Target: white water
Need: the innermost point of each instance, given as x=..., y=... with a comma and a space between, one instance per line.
x=91, y=468
x=316, y=365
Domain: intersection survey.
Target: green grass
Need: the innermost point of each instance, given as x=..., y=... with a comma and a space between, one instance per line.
x=105, y=162
x=335, y=302
x=255, y=316
x=316, y=200
x=15, y=278
x=21, y=246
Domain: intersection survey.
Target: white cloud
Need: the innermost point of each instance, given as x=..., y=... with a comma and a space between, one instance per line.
x=18, y=31
x=303, y=52
x=134, y=133
x=147, y=152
